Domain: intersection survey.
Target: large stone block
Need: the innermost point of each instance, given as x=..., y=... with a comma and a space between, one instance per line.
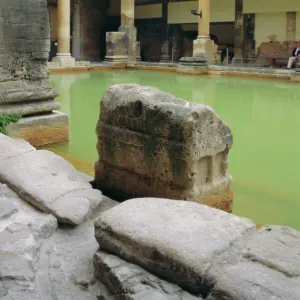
x=151, y=143
x=177, y=240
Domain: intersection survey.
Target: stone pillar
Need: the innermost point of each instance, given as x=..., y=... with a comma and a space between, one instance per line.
x=76, y=34
x=63, y=32
x=127, y=26
x=204, y=49
x=239, y=43
x=165, y=55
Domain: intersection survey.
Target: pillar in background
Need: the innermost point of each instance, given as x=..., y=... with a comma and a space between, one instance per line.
x=76, y=34
x=63, y=34
x=165, y=52
x=239, y=41
x=127, y=26
x=204, y=49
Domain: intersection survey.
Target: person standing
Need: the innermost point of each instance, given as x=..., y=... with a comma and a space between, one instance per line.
x=295, y=55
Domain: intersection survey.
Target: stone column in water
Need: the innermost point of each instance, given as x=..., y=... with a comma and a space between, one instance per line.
x=63, y=23
x=127, y=26
x=238, y=33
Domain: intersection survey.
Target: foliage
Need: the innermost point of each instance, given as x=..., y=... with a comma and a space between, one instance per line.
x=5, y=120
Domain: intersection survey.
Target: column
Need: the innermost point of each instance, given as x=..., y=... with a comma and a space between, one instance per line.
x=76, y=34
x=204, y=49
x=63, y=34
x=165, y=55
x=127, y=26
x=239, y=43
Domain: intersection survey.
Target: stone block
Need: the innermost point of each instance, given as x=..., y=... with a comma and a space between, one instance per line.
x=134, y=283
x=176, y=240
x=116, y=47
x=151, y=143
x=41, y=130
x=50, y=184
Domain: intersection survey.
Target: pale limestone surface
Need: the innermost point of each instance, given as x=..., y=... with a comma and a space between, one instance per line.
x=151, y=143
x=206, y=251
x=47, y=181
x=178, y=240
x=130, y=282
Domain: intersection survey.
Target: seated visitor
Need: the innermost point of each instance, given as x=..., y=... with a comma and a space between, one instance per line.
x=295, y=55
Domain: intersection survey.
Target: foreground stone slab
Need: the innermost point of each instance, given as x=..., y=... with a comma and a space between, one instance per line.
x=130, y=282
x=51, y=184
x=177, y=240
x=10, y=148
x=151, y=143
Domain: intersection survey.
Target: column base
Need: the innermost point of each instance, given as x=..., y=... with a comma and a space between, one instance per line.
x=298, y=68
x=116, y=59
x=130, y=32
x=165, y=58
x=238, y=61
x=65, y=60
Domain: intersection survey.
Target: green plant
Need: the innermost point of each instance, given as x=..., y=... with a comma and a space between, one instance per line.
x=5, y=120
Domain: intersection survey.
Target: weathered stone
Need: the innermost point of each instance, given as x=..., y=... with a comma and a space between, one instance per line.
x=24, y=49
x=41, y=129
x=130, y=282
x=10, y=148
x=116, y=50
x=7, y=208
x=50, y=183
x=16, y=267
x=276, y=247
x=151, y=143
x=178, y=240
x=252, y=281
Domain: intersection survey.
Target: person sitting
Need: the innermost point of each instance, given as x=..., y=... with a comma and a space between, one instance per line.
x=295, y=55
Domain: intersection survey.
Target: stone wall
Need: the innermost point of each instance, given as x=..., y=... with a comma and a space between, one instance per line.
x=24, y=80
x=151, y=143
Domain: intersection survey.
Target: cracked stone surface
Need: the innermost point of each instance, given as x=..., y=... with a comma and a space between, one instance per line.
x=127, y=281
x=35, y=259
x=47, y=181
x=203, y=250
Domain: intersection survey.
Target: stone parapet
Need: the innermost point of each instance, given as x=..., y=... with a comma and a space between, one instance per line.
x=151, y=143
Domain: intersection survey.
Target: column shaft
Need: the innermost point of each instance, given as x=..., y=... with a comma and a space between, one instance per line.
x=204, y=22
x=127, y=12
x=63, y=19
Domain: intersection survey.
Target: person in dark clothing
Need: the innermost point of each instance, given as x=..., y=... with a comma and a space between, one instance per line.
x=295, y=55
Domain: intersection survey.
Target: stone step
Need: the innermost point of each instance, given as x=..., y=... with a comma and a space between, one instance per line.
x=29, y=108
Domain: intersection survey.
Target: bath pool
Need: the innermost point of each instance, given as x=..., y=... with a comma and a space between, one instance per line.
x=264, y=117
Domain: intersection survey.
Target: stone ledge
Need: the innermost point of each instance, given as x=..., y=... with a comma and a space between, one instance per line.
x=41, y=130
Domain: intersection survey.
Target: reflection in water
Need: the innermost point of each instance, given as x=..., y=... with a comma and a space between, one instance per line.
x=263, y=115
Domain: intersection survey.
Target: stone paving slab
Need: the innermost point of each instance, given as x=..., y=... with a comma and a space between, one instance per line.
x=51, y=184
x=177, y=240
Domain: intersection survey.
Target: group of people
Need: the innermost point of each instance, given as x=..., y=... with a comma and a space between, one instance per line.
x=295, y=55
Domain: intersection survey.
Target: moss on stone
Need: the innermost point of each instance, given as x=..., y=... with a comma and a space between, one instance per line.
x=5, y=120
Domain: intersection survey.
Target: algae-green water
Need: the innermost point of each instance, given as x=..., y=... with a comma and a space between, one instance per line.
x=264, y=116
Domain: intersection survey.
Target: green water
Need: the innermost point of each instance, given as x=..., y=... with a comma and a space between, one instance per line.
x=264, y=117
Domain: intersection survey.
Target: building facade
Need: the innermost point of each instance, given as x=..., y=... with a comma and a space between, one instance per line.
x=245, y=30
